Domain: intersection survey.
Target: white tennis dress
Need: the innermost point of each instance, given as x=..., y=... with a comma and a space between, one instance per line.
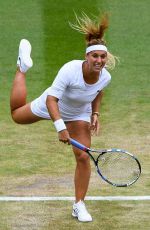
x=75, y=96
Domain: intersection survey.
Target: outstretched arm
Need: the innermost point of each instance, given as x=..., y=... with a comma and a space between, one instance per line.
x=53, y=109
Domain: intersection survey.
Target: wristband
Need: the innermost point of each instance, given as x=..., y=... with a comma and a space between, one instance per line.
x=96, y=113
x=59, y=125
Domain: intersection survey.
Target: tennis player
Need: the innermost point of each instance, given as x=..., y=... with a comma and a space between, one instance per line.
x=73, y=100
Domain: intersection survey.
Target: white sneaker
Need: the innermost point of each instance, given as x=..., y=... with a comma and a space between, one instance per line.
x=79, y=211
x=24, y=60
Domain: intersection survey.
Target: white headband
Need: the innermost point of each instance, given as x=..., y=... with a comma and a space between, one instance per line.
x=96, y=47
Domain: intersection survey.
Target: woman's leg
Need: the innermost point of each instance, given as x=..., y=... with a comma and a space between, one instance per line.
x=20, y=111
x=80, y=131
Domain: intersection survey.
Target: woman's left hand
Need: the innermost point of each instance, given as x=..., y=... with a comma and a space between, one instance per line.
x=95, y=125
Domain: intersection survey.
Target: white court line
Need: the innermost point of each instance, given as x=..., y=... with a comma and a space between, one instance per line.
x=71, y=198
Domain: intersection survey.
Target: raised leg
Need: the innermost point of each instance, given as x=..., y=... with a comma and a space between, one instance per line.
x=20, y=110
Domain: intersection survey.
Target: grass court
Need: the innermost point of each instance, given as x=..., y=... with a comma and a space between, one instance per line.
x=32, y=161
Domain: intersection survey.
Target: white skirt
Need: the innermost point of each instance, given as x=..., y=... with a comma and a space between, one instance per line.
x=39, y=109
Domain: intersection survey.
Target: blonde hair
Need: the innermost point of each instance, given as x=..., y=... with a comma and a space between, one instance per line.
x=94, y=31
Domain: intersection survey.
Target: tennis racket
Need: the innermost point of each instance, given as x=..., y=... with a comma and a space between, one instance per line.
x=115, y=166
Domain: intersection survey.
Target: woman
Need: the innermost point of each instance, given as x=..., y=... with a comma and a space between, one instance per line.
x=72, y=102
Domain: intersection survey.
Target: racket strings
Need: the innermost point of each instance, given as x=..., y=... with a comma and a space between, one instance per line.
x=118, y=167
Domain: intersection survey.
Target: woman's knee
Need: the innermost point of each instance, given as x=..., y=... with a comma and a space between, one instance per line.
x=16, y=118
x=26, y=117
x=82, y=158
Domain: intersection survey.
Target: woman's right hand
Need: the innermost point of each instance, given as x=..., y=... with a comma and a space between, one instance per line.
x=64, y=136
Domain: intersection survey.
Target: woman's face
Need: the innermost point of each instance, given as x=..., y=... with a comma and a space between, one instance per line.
x=96, y=60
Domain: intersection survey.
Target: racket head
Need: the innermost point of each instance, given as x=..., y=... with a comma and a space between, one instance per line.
x=118, y=167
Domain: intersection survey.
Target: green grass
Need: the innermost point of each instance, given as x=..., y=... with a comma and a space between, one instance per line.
x=54, y=215
x=31, y=155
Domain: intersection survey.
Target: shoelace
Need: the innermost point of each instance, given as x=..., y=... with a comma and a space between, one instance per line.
x=80, y=208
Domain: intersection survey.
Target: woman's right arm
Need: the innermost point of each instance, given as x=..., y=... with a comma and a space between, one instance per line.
x=53, y=109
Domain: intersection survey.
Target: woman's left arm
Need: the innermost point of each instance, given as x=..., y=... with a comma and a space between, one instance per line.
x=95, y=125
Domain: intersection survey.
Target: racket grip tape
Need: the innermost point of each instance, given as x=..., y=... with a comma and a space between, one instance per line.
x=78, y=145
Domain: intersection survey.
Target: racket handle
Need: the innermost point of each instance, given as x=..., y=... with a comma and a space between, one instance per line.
x=78, y=145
